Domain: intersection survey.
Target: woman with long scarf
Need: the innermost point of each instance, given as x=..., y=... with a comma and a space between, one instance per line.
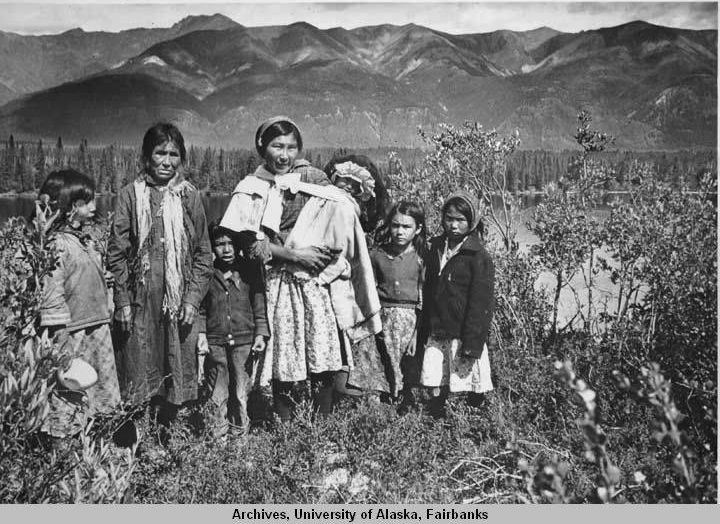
x=310, y=234
x=160, y=256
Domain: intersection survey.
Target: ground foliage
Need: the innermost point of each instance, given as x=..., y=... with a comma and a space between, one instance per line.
x=617, y=405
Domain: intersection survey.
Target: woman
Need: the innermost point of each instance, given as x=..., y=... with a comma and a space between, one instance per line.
x=159, y=253
x=284, y=192
x=359, y=176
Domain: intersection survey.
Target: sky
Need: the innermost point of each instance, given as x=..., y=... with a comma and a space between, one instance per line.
x=56, y=16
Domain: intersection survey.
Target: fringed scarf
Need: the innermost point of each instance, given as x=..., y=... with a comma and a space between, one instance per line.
x=175, y=238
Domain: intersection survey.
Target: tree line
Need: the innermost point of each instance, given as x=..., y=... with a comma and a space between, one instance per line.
x=25, y=164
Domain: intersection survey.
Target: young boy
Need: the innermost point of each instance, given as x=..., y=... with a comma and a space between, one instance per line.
x=233, y=325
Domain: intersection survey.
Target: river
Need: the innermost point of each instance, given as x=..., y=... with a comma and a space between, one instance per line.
x=23, y=205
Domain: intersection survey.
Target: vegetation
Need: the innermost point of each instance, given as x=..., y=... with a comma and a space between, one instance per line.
x=618, y=404
x=24, y=164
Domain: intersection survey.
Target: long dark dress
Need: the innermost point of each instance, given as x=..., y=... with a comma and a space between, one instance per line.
x=157, y=357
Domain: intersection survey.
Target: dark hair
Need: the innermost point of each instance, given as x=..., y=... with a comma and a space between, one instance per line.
x=373, y=209
x=52, y=186
x=414, y=210
x=280, y=128
x=64, y=188
x=216, y=230
x=463, y=207
x=159, y=134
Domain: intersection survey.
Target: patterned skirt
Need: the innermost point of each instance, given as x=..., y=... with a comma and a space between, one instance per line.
x=398, y=333
x=69, y=410
x=443, y=366
x=369, y=367
x=304, y=336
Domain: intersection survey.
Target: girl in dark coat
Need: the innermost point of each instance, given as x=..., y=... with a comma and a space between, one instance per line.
x=458, y=310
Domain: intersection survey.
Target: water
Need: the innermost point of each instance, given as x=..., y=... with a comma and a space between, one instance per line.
x=604, y=293
x=23, y=205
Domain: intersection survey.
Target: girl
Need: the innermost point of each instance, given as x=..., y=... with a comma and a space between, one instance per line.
x=458, y=305
x=75, y=305
x=397, y=264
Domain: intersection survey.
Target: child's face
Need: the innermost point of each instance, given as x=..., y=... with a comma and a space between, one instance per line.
x=403, y=230
x=83, y=211
x=455, y=224
x=348, y=184
x=224, y=249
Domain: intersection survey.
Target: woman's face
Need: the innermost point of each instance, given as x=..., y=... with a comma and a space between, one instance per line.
x=164, y=163
x=280, y=154
x=455, y=224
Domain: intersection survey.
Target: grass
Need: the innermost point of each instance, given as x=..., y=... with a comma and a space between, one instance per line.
x=363, y=453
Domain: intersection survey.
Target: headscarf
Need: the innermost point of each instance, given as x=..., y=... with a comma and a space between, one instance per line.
x=359, y=174
x=264, y=127
x=472, y=202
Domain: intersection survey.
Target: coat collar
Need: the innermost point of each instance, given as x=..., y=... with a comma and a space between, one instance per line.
x=472, y=243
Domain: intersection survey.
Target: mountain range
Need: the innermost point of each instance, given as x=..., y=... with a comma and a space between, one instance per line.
x=653, y=87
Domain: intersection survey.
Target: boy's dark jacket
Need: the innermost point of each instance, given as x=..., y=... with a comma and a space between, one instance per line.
x=232, y=315
x=459, y=302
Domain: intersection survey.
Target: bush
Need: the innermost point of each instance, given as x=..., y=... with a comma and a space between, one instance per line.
x=35, y=468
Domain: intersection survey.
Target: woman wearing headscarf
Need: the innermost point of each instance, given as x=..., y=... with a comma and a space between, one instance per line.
x=160, y=255
x=309, y=234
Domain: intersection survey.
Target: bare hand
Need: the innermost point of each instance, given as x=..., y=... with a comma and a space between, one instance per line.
x=412, y=346
x=123, y=316
x=258, y=345
x=188, y=314
x=202, y=344
x=314, y=258
x=109, y=279
x=201, y=369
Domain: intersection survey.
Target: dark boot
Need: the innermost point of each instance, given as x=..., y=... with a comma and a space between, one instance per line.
x=283, y=401
x=436, y=404
x=323, y=385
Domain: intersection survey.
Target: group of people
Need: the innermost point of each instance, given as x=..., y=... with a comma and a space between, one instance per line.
x=293, y=290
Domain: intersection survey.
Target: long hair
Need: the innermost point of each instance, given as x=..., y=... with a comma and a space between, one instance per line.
x=159, y=134
x=414, y=210
x=371, y=210
x=64, y=188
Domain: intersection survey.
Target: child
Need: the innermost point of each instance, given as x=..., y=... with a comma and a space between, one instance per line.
x=397, y=264
x=233, y=325
x=363, y=364
x=75, y=305
x=458, y=310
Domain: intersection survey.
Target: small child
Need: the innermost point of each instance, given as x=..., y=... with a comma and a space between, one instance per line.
x=458, y=308
x=233, y=326
x=75, y=305
x=398, y=268
x=363, y=364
